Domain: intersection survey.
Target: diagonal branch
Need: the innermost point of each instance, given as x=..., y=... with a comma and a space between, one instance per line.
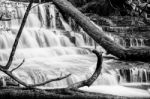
x=18, y=36
x=5, y=68
x=9, y=73
x=95, y=75
x=48, y=81
x=18, y=66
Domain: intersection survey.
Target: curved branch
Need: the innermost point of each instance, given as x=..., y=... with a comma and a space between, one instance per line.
x=95, y=75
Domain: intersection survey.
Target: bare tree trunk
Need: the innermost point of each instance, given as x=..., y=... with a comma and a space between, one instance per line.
x=142, y=54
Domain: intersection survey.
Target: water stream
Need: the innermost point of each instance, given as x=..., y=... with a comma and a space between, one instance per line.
x=50, y=51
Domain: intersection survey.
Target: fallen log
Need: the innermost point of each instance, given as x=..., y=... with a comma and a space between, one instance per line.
x=142, y=54
x=24, y=93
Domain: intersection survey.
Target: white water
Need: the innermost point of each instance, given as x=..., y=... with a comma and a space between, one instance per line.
x=45, y=46
x=127, y=42
x=49, y=52
x=118, y=90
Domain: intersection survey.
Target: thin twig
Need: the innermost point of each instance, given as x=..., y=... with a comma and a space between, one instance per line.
x=18, y=66
x=48, y=81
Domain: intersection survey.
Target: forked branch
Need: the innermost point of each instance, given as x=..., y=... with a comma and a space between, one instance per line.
x=95, y=75
x=5, y=69
x=18, y=66
x=10, y=74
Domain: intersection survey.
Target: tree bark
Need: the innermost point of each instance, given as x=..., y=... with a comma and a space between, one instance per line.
x=140, y=54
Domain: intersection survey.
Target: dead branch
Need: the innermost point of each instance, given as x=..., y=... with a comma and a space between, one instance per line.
x=9, y=73
x=95, y=75
x=18, y=65
x=18, y=36
x=51, y=80
x=5, y=69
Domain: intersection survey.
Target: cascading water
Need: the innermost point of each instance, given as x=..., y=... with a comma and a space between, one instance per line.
x=135, y=75
x=127, y=42
x=45, y=44
x=50, y=51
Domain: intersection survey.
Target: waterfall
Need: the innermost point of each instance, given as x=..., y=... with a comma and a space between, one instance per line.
x=51, y=48
x=135, y=75
x=127, y=42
